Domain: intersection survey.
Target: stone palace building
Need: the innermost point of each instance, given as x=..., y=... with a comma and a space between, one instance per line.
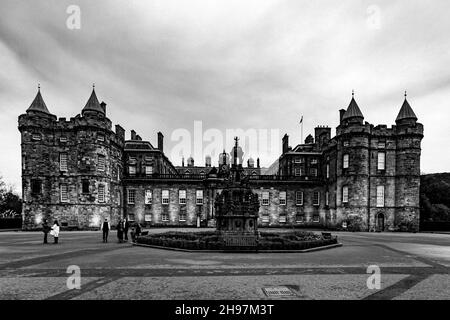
x=80, y=171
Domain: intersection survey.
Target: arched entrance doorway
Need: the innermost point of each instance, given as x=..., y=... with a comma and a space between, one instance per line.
x=380, y=222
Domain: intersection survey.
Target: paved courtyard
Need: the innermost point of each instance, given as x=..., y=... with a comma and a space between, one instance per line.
x=413, y=266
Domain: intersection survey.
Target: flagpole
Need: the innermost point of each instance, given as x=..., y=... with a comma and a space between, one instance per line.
x=301, y=130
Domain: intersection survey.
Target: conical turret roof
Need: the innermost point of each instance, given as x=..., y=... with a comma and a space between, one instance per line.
x=353, y=111
x=38, y=104
x=406, y=112
x=92, y=104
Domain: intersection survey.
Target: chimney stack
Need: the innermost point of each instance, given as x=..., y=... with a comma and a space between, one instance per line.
x=285, y=143
x=160, y=141
x=133, y=135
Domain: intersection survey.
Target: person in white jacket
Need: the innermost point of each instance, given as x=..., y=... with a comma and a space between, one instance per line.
x=55, y=231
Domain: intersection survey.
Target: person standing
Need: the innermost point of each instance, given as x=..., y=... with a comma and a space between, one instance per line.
x=46, y=230
x=120, y=231
x=55, y=231
x=126, y=226
x=105, y=227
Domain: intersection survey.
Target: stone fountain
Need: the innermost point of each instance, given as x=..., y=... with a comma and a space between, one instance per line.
x=237, y=210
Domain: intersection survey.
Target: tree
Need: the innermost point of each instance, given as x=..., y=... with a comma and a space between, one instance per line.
x=10, y=202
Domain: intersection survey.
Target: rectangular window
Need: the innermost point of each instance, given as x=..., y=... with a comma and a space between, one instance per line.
x=265, y=218
x=381, y=145
x=316, y=198
x=316, y=218
x=132, y=170
x=302, y=171
x=297, y=172
x=282, y=198
x=63, y=139
x=85, y=186
x=36, y=186
x=345, y=194
x=327, y=198
x=182, y=216
x=148, y=170
x=299, y=218
x=381, y=160
x=345, y=161
x=100, y=137
x=118, y=173
x=328, y=171
x=313, y=172
x=345, y=143
x=265, y=198
x=298, y=160
x=182, y=196
x=101, y=193
x=118, y=198
x=299, y=198
x=199, y=197
x=313, y=161
x=380, y=196
x=64, y=193
x=282, y=219
x=164, y=217
x=24, y=166
x=165, y=197
x=36, y=137
x=131, y=196
x=132, y=160
x=101, y=162
x=148, y=197
x=63, y=161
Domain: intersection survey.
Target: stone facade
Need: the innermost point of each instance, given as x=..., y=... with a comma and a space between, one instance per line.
x=368, y=174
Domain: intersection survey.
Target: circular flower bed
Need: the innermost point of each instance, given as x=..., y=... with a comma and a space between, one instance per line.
x=295, y=240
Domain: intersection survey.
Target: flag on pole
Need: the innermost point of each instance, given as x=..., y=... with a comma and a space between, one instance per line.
x=301, y=120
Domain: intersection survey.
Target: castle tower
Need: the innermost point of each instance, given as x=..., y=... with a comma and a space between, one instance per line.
x=409, y=134
x=352, y=157
x=36, y=128
x=71, y=169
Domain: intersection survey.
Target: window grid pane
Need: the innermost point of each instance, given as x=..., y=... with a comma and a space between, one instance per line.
x=380, y=196
x=345, y=194
x=299, y=198
x=131, y=196
x=101, y=193
x=63, y=161
x=148, y=197
x=381, y=160
x=199, y=197
x=165, y=197
x=64, y=193
x=282, y=198
x=345, y=161
x=182, y=196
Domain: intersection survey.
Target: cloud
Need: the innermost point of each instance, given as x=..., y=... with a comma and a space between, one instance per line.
x=161, y=65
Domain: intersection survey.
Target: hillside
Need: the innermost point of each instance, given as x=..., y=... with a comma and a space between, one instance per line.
x=435, y=197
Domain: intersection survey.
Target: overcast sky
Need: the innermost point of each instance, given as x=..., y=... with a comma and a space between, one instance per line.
x=161, y=65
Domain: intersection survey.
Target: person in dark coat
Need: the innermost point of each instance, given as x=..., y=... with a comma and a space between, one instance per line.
x=126, y=226
x=105, y=228
x=120, y=231
x=45, y=229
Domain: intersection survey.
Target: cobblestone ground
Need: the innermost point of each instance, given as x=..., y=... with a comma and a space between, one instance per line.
x=413, y=266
